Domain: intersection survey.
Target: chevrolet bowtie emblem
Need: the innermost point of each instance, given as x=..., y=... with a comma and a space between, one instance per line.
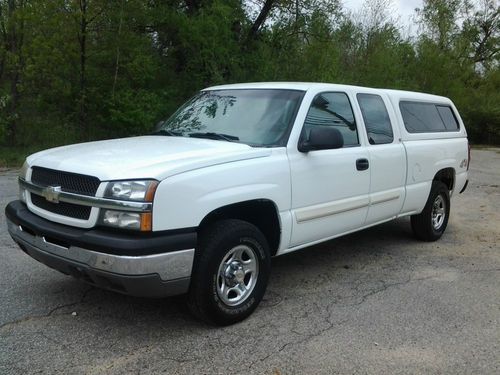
x=51, y=193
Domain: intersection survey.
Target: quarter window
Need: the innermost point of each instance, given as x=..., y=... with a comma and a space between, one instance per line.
x=427, y=117
x=449, y=119
x=377, y=122
x=333, y=109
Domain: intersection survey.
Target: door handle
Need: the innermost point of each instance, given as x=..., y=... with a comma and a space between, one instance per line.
x=362, y=164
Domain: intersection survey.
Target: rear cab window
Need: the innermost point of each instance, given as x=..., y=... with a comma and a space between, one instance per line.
x=420, y=117
x=376, y=118
x=332, y=109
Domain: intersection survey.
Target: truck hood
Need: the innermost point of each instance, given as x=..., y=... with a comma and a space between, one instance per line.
x=143, y=157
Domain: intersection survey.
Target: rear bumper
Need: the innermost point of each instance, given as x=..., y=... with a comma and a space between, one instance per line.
x=147, y=272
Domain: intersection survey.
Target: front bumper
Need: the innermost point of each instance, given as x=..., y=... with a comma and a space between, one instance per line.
x=126, y=263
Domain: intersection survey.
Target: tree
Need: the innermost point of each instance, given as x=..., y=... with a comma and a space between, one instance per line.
x=12, y=23
x=74, y=70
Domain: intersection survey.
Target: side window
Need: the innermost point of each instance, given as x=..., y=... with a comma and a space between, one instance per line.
x=427, y=117
x=377, y=122
x=333, y=109
x=449, y=119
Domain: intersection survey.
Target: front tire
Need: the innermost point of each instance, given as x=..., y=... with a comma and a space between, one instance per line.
x=230, y=273
x=431, y=223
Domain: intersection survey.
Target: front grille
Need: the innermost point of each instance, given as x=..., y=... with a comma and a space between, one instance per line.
x=69, y=182
x=62, y=208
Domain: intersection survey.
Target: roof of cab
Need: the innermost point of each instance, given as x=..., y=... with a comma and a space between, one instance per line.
x=305, y=86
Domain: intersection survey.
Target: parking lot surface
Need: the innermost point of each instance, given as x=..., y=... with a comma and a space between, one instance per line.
x=374, y=302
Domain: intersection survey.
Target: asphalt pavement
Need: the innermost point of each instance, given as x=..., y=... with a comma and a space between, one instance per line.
x=374, y=302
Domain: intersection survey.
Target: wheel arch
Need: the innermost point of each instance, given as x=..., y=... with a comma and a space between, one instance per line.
x=263, y=213
x=446, y=176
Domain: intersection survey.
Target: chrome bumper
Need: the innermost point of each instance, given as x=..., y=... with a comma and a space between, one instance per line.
x=162, y=274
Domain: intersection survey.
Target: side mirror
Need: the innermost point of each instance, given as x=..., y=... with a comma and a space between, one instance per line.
x=322, y=138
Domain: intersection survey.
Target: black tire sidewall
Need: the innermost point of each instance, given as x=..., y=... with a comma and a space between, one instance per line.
x=213, y=252
x=442, y=190
x=422, y=223
x=253, y=299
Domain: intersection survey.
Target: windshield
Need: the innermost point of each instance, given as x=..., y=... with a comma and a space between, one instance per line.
x=257, y=117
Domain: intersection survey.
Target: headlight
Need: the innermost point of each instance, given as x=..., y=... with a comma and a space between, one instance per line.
x=127, y=220
x=141, y=190
x=131, y=190
x=22, y=174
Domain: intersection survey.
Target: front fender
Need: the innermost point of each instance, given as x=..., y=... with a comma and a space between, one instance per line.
x=183, y=200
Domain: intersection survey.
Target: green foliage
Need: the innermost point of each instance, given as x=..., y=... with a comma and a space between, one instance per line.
x=76, y=70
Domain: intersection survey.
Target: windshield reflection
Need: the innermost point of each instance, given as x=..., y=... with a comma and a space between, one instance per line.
x=257, y=117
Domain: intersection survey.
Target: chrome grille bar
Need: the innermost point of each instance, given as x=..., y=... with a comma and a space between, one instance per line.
x=86, y=200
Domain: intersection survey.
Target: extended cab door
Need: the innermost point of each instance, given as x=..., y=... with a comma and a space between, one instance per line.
x=387, y=157
x=329, y=187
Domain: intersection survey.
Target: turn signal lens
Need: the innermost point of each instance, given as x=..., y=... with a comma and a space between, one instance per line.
x=146, y=222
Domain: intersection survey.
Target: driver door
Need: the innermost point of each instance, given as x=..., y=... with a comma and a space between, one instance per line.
x=330, y=188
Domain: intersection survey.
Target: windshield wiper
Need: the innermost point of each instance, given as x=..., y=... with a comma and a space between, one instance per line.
x=216, y=136
x=167, y=133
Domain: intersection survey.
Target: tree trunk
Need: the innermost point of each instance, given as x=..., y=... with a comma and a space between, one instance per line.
x=14, y=42
x=117, y=62
x=82, y=38
x=3, y=43
x=193, y=6
x=261, y=18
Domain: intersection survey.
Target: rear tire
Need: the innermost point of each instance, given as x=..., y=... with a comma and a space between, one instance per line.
x=431, y=223
x=230, y=273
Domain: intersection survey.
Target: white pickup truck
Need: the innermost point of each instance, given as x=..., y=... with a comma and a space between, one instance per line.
x=239, y=174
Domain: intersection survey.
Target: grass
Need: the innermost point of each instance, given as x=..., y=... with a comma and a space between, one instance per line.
x=486, y=148
x=13, y=157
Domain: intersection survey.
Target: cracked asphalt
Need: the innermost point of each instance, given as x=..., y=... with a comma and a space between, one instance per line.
x=374, y=302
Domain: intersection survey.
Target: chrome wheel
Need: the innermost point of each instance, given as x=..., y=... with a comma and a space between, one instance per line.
x=438, y=212
x=237, y=275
